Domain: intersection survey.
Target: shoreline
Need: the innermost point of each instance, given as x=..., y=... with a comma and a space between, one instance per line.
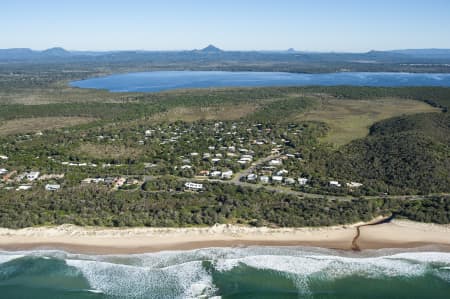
x=98, y=240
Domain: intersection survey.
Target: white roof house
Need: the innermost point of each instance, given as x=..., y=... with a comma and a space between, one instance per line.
x=289, y=181
x=227, y=174
x=23, y=187
x=282, y=172
x=252, y=177
x=3, y=157
x=277, y=178
x=193, y=186
x=275, y=162
x=354, y=185
x=215, y=173
x=335, y=183
x=32, y=175
x=186, y=167
x=302, y=181
x=3, y=171
x=52, y=187
x=264, y=179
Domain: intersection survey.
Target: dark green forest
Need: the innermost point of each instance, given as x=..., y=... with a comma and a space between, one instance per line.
x=219, y=203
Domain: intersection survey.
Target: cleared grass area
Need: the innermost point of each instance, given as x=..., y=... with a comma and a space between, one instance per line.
x=190, y=114
x=107, y=151
x=64, y=94
x=36, y=124
x=351, y=119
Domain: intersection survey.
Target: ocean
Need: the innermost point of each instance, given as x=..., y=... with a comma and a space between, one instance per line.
x=241, y=272
x=170, y=80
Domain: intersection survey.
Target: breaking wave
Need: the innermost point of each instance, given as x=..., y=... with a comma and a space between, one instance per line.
x=205, y=273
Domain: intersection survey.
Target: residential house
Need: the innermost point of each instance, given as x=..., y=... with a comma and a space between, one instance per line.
x=52, y=187
x=119, y=182
x=252, y=177
x=277, y=179
x=215, y=173
x=302, y=181
x=275, y=162
x=289, y=181
x=264, y=179
x=335, y=184
x=23, y=188
x=282, y=172
x=204, y=173
x=32, y=175
x=193, y=186
x=227, y=174
x=354, y=185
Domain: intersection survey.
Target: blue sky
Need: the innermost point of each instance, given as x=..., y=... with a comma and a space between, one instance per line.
x=312, y=25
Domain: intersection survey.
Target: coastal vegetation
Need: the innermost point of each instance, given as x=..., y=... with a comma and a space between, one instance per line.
x=281, y=156
x=169, y=206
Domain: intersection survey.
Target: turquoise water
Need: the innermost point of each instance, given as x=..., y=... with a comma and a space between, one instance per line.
x=251, y=272
x=168, y=80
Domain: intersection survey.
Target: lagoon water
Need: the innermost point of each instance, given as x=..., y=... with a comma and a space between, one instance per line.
x=251, y=272
x=169, y=80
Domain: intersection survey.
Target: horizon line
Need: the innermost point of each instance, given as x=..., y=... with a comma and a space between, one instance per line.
x=224, y=50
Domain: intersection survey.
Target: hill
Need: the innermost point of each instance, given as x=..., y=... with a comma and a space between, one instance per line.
x=211, y=49
x=436, y=61
x=403, y=154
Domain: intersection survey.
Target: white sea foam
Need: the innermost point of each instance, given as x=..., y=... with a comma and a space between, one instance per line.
x=181, y=274
x=188, y=280
x=94, y=291
x=4, y=258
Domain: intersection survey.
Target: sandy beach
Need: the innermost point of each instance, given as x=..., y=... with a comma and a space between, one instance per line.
x=96, y=240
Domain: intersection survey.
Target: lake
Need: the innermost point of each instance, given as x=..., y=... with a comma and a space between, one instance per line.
x=169, y=80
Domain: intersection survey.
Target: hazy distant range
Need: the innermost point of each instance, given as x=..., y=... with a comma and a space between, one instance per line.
x=211, y=57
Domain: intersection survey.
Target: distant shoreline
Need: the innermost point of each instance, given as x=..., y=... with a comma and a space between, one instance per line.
x=96, y=240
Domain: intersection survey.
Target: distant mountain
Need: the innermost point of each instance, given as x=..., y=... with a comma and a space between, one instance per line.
x=211, y=49
x=212, y=54
x=15, y=53
x=60, y=52
x=425, y=53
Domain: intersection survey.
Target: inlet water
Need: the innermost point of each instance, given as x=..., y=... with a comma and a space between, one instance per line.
x=169, y=80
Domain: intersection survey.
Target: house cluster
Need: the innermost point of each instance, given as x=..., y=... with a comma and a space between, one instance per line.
x=234, y=144
x=278, y=178
x=114, y=182
x=273, y=172
x=26, y=180
x=350, y=185
x=79, y=164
